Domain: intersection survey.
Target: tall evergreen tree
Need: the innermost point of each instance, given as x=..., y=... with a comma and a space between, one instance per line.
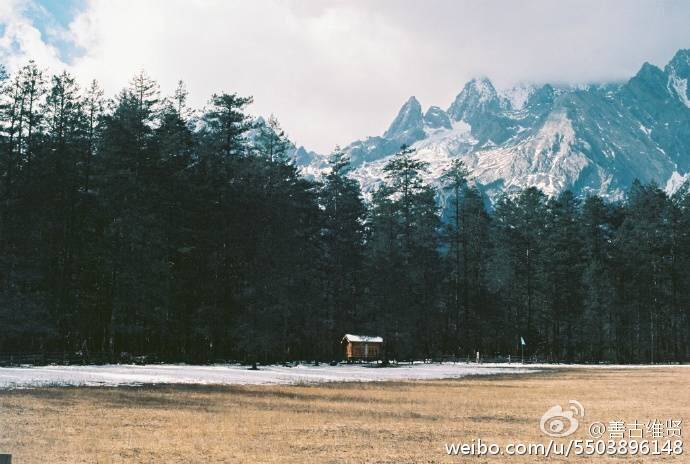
x=342, y=237
x=455, y=181
x=520, y=236
x=563, y=269
x=404, y=227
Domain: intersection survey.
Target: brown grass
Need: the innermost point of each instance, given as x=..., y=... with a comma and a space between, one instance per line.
x=333, y=423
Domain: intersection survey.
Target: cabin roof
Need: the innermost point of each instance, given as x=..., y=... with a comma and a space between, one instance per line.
x=362, y=338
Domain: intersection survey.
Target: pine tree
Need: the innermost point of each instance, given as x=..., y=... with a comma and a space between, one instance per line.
x=455, y=181
x=227, y=124
x=271, y=142
x=680, y=280
x=342, y=237
x=598, y=325
x=59, y=168
x=134, y=236
x=404, y=225
x=520, y=249
x=32, y=83
x=563, y=269
x=93, y=107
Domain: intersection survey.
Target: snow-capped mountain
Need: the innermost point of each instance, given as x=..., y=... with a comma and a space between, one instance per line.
x=590, y=139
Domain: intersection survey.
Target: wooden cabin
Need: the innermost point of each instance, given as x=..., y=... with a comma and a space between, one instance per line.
x=362, y=347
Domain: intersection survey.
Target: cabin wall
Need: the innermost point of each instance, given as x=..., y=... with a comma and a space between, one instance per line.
x=363, y=350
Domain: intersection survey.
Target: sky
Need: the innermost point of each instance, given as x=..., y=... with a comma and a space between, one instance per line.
x=336, y=71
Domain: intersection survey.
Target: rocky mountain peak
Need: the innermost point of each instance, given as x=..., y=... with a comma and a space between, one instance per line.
x=680, y=64
x=408, y=120
x=678, y=70
x=591, y=139
x=478, y=95
x=436, y=118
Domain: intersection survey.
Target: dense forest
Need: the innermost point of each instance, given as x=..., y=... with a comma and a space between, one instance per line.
x=137, y=224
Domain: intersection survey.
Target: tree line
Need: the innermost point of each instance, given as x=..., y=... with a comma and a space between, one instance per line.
x=136, y=224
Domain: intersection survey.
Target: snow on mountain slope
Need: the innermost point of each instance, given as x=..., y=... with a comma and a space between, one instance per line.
x=546, y=159
x=678, y=70
x=517, y=96
x=675, y=182
x=591, y=139
x=438, y=148
x=681, y=88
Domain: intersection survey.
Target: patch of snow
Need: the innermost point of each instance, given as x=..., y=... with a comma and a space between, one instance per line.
x=484, y=88
x=591, y=366
x=313, y=171
x=681, y=88
x=362, y=338
x=516, y=96
x=120, y=375
x=438, y=149
x=675, y=182
x=547, y=159
x=129, y=375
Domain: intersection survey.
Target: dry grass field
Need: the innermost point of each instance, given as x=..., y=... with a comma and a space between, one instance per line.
x=381, y=422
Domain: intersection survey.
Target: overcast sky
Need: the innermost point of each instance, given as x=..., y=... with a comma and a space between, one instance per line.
x=336, y=71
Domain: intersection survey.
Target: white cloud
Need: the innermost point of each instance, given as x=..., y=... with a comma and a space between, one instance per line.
x=336, y=71
x=21, y=40
x=318, y=73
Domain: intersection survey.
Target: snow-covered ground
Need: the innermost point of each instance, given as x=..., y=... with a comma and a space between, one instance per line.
x=115, y=375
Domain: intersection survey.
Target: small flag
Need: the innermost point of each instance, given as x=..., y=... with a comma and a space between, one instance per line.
x=522, y=341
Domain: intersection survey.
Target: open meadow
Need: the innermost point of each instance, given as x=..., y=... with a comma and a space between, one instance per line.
x=375, y=422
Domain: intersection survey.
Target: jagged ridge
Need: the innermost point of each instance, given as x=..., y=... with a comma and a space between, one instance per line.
x=589, y=139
